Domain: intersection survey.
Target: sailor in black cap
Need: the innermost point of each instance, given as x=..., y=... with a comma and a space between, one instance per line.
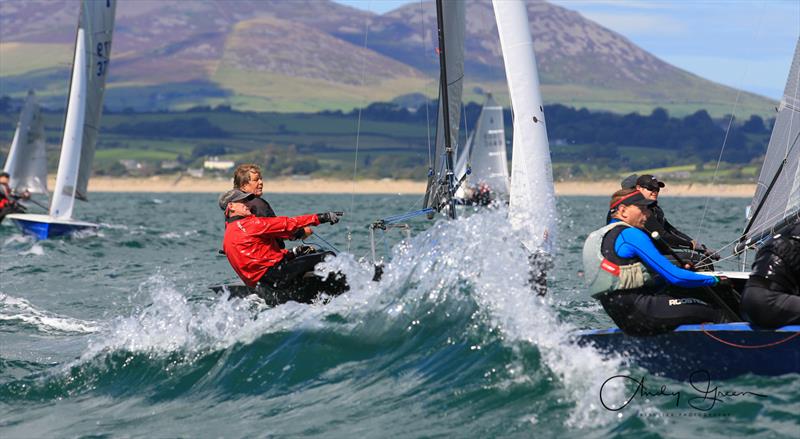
x=650, y=187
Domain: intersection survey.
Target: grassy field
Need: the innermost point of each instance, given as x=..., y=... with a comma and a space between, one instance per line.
x=325, y=145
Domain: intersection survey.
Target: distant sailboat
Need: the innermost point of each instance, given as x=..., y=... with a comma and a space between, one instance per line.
x=482, y=163
x=85, y=105
x=27, y=159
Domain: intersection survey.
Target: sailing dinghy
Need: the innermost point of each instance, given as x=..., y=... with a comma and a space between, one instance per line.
x=27, y=159
x=482, y=167
x=84, y=108
x=728, y=350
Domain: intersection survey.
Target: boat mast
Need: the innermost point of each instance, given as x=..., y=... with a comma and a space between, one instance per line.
x=445, y=105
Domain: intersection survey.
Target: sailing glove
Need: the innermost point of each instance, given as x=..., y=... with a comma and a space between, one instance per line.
x=328, y=217
x=723, y=281
x=302, y=250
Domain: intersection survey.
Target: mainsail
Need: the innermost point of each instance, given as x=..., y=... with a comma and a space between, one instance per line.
x=777, y=198
x=485, y=151
x=89, y=70
x=453, y=19
x=532, y=199
x=27, y=159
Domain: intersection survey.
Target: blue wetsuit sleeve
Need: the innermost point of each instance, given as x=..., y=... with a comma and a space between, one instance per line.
x=633, y=242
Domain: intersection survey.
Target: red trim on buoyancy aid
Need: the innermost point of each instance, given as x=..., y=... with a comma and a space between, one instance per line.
x=4, y=202
x=609, y=267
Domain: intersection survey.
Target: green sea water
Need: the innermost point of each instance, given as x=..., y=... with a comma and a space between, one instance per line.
x=115, y=333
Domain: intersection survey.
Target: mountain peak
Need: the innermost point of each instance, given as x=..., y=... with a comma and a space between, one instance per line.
x=317, y=54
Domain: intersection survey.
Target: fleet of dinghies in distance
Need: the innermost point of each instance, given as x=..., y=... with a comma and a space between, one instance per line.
x=84, y=109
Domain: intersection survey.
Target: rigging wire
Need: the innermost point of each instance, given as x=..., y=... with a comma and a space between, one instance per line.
x=730, y=122
x=427, y=101
x=360, y=109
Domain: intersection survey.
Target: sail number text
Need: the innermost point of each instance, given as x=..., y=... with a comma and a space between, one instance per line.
x=103, y=51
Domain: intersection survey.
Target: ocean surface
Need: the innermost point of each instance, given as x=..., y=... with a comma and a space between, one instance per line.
x=115, y=333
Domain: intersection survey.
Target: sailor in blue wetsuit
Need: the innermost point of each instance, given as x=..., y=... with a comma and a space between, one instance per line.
x=642, y=291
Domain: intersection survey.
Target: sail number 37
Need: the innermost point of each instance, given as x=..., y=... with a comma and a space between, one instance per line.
x=103, y=51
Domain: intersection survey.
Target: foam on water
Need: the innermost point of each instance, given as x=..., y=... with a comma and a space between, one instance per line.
x=20, y=311
x=178, y=235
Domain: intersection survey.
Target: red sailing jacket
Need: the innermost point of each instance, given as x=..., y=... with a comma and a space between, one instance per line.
x=5, y=195
x=251, y=243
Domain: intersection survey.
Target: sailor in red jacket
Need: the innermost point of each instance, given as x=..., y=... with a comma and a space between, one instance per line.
x=251, y=242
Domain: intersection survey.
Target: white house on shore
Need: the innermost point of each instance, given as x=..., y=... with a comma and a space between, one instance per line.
x=215, y=164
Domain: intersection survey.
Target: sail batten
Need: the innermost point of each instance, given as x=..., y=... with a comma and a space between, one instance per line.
x=777, y=196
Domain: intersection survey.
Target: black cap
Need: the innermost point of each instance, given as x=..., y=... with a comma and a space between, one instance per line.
x=233, y=195
x=632, y=199
x=629, y=182
x=4, y=174
x=648, y=181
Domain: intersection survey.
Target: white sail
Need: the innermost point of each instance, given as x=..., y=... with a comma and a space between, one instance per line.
x=69, y=162
x=532, y=198
x=97, y=19
x=27, y=159
x=454, y=18
x=89, y=69
x=486, y=151
x=777, y=196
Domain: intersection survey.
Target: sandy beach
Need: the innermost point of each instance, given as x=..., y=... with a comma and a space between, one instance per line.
x=173, y=183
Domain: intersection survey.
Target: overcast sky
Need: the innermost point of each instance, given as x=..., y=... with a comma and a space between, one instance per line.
x=746, y=44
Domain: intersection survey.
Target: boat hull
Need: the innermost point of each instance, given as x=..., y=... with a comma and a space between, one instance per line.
x=309, y=289
x=724, y=350
x=46, y=227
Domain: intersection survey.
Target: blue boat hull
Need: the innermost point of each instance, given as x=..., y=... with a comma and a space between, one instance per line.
x=44, y=227
x=724, y=350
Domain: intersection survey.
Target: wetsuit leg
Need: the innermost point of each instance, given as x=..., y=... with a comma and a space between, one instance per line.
x=294, y=269
x=6, y=210
x=769, y=308
x=650, y=314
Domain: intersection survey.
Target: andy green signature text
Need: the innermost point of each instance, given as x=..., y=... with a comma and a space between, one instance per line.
x=704, y=396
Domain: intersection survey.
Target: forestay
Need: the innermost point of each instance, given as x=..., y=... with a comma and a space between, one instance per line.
x=27, y=159
x=532, y=198
x=85, y=105
x=777, y=198
x=485, y=151
x=454, y=23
